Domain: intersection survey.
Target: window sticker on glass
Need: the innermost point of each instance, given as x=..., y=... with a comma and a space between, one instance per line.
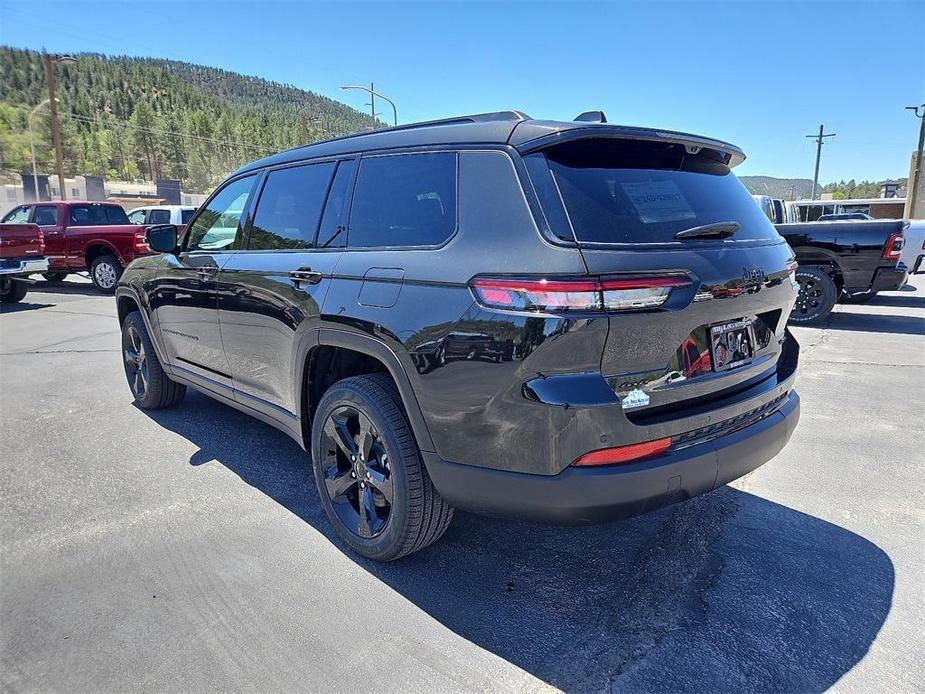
x=658, y=201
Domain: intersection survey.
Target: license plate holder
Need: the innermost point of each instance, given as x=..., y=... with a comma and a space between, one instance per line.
x=732, y=344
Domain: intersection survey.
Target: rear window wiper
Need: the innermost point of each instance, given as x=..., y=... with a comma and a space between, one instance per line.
x=719, y=230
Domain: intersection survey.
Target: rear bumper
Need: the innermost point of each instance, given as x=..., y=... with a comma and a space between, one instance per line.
x=889, y=279
x=578, y=496
x=23, y=266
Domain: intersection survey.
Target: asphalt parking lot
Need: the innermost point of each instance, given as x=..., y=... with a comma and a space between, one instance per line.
x=186, y=550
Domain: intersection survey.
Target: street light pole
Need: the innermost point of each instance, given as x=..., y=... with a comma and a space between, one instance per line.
x=372, y=94
x=917, y=171
x=35, y=175
x=50, y=60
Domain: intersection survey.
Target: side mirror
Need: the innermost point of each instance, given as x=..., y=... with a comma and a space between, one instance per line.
x=162, y=238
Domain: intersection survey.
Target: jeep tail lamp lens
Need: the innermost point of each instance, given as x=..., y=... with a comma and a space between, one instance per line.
x=579, y=294
x=623, y=454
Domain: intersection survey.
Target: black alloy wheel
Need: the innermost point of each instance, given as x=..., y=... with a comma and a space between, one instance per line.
x=151, y=387
x=815, y=298
x=368, y=470
x=356, y=471
x=136, y=363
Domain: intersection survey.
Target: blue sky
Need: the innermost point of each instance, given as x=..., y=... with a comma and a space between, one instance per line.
x=759, y=74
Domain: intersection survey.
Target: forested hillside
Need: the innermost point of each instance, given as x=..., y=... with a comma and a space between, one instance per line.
x=127, y=118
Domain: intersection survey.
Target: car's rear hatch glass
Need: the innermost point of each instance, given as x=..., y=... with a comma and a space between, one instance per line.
x=624, y=201
x=634, y=191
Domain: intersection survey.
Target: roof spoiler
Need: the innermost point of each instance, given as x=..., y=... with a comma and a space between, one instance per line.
x=591, y=117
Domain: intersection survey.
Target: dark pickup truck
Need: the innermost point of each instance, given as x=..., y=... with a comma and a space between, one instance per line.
x=847, y=260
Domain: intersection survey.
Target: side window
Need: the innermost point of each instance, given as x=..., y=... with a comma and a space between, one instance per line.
x=404, y=200
x=18, y=215
x=159, y=217
x=289, y=207
x=333, y=230
x=45, y=215
x=185, y=216
x=137, y=217
x=216, y=226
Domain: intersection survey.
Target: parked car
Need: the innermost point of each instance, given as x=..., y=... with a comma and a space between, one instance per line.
x=178, y=215
x=81, y=235
x=844, y=217
x=913, y=253
x=849, y=259
x=639, y=293
x=22, y=253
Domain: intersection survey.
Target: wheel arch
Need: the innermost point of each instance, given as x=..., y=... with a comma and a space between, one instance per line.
x=99, y=247
x=339, y=354
x=127, y=300
x=811, y=255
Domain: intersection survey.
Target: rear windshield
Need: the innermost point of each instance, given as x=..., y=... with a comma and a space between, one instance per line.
x=97, y=215
x=624, y=191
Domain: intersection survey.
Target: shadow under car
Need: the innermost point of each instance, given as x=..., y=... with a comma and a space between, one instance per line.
x=727, y=591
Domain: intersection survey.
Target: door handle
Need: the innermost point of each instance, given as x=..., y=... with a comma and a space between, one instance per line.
x=305, y=275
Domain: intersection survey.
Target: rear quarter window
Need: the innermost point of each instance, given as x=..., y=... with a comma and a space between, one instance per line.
x=631, y=192
x=404, y=200
x=97, y=215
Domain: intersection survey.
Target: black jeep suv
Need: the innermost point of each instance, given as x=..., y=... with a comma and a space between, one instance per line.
x=562, y=321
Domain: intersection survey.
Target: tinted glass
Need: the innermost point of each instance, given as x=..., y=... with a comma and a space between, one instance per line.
x=19, y=215
x=159, y=217
x=186, y=215
x=332, y=232
x=45, y=215
x=137, y=217
x=289, y=207
x=97, y=215
x=622, y=191
x=216, y=227
x=406, y=200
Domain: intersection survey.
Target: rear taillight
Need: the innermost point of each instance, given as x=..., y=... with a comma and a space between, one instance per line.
x=576, y=294
x=141, y=243
x=623, y=454
x=41, y=243
x=894, y=246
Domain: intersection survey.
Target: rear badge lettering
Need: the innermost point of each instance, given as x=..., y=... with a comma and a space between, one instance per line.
x=635, y=398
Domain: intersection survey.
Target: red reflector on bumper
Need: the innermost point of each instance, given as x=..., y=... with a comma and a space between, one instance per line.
x=624, y=454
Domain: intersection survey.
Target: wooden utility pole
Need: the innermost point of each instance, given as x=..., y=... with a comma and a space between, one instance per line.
x=819, y=140
x=55, y=127
x=917, y=169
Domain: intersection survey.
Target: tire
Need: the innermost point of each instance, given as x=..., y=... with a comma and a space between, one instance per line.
x=416, y=515
x=861, y=298
x=816, y=297
x=12, y=291
x=54, y=276
x=105, y=271
x=150, y=386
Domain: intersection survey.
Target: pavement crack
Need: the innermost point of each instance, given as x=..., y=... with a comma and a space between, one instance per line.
x=58, y=351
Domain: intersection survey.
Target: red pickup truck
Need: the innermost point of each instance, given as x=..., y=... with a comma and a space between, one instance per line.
x=22, y=253
x=81, y=235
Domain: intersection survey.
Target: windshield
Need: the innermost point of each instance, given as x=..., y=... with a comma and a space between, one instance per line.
x=625, y=191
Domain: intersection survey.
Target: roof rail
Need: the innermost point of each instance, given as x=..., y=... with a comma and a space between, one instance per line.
x=472, y=118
